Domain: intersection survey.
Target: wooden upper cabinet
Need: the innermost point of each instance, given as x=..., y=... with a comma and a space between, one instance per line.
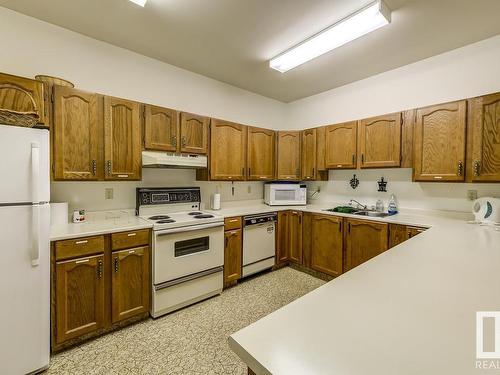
x=483, y=162
x=227, y=151
x=439, y=142
x=80, y=297
x=326, y=244
x=288, y=159
x=261, y=149
x=232, y=255
x=130, y=283
x=77, y=135
x=19, y=94
x=380, y=141
x=194, y=133
x=364, y=240
x=309, y=154
x=160, y=128
x=122, y=139
x=340, y=147
x=295, y=237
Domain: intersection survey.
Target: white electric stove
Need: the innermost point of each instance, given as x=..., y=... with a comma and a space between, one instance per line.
x=188, y=247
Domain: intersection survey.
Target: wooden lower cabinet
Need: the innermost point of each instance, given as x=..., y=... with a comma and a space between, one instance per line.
x=282, y=242
x=295, y=237
x=326, y=244
x=95, y=290
x=363, y=240
x=130, y=283
x=80, y=288
x=232, y=255
x=400, y=233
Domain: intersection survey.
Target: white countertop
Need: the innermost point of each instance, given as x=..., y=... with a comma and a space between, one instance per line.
x=100, y=223
x=410, y=310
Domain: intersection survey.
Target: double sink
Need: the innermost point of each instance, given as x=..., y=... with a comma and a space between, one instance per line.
x=361, y=212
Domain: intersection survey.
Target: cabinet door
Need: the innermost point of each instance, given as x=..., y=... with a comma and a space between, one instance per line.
x=295, y=237
x=122, y=139
x=21, y=94
x=282, y=240
x=380, y=141
x=77, y=135
x=261, y=146
x=340, y=148
x=288, y=160
x=160, y=128
x=326, y=244
x=232, y=255
x=227, y=151
x=484, y=139
x=397, y=234
x=309, y=154
x=320, y=148
x=364, y=240
x=130, y=283
x=79, y=297
x=194, y=133
x=439, y=142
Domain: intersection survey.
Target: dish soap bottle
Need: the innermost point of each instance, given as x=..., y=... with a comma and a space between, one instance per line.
x=392, y=208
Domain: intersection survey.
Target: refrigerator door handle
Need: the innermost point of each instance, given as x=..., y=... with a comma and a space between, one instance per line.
x=35, y=247
x=35, y=171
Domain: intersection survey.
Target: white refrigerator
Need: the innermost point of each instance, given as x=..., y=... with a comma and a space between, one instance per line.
x=24, y=250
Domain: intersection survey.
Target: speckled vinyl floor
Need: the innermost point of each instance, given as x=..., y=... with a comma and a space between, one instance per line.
x=190, y=341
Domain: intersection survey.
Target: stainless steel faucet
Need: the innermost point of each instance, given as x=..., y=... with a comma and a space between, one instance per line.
x=363, y=206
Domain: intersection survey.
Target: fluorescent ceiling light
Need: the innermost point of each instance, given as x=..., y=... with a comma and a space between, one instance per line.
x=365, y=20
x=139, y=2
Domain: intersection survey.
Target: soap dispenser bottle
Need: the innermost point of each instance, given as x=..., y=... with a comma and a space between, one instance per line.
x=392, y=208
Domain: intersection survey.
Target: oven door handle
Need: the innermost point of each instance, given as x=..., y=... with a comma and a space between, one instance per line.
x=188, y=229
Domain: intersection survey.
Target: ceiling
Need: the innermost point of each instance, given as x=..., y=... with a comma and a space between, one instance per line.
x=232, y=40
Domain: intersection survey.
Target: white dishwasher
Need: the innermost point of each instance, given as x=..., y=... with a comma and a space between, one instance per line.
x=259, y=242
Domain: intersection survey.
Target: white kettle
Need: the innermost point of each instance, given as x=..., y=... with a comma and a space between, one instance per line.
x=486, y=210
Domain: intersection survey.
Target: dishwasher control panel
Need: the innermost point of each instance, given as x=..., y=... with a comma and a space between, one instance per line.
x=260, y=219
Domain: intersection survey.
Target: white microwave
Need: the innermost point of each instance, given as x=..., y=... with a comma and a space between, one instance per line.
x=285, y=194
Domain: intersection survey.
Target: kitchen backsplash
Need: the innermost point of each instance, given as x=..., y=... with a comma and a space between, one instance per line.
x=91, y=195
x=415, y=195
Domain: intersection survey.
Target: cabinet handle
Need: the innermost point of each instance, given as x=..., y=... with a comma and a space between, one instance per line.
x=340, y=227
x=353, y=159
x=243, y=171
x=108, y=166
x=297, y=172
x=183, y=141
x=477, y=168
x=116, y=265
x=225, y=241
x=349, y=228
x=94, y=167
x=131, y=234
x=173, y=140
x=314, y=170
x=233, y=220
x=249, y=170
x=409, y=234
x=81, y=242
x=99, y=269
x=82, y=261
x=362, y=158
x=460, y=168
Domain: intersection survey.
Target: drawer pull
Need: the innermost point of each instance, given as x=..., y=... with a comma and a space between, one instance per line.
x=131, y=252
x=123, y=176
x=131, y=234
x=233, y=220
x=81, y=242
x=82, y=261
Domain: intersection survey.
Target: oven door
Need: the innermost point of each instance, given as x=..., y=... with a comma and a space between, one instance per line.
x=181, y=252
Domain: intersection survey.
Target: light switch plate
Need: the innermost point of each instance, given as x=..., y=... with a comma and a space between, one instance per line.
x=108, y=193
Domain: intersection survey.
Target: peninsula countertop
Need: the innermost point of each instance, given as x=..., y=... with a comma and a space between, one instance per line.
x=410, y=310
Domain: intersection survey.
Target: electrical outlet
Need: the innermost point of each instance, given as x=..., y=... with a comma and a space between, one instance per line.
x=108, y=193
x=472, y=195
x=249, y=189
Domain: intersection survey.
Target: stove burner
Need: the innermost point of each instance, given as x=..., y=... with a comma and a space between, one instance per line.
x=165, y=221
x=159, y=217
x=203, y=216
x=195, y=213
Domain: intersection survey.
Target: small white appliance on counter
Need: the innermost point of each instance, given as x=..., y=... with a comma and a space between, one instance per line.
x=259, y=233
x=188, y=247
x=487, y=210
x=285, y=194
x=24, y=250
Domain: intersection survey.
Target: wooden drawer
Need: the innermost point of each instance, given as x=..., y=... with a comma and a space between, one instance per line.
x=130, y=239
x=79, y=247
x=231, y=223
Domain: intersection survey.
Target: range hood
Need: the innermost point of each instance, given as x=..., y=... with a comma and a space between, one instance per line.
x=158, y=159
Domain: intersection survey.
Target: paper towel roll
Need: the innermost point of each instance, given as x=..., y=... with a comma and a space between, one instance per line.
x=215, y=201
x=59, y=213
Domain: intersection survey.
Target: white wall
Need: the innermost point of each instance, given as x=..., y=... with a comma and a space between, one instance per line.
x=462, y=73
x=31, y=47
